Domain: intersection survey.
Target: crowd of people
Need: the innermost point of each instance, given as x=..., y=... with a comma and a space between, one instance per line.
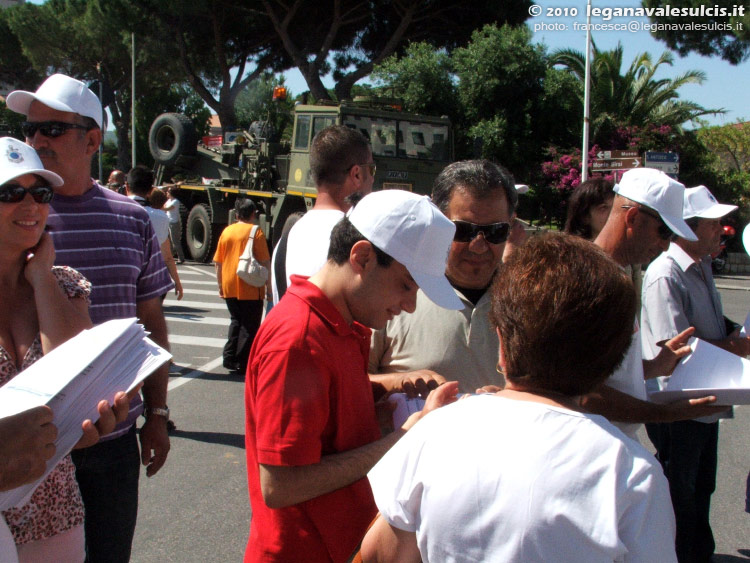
x=534, y=358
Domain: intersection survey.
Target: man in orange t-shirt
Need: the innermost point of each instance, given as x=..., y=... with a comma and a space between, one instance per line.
x=245, y=302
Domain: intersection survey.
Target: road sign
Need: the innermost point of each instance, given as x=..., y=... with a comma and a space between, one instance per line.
x=652, y=156
x=671, y=168
x=600, y=165
x=617, y=154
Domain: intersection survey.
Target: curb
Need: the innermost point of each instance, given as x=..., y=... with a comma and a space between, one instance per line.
x=734, y=287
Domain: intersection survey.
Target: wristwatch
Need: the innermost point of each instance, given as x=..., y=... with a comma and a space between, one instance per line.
x=158, y=411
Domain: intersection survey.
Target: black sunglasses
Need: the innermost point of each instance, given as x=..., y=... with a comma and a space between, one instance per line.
x=665, y=233
x=13, y=193
x=494, y=233
x=51, y=129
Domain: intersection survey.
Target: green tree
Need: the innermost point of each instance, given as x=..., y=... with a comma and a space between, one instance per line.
x=422, y=78
x=635, y=98
x=729, y=150
x=501, y=88
x=350, y=37
x=727, y=36
x=730, y=143
x=86, y=39
x=221, y=46
x=255, y=103
x=15, y=68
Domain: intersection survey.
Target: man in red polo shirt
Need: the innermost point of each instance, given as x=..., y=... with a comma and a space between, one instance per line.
x=311, y=430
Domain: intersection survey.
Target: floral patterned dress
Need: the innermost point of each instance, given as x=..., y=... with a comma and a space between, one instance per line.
x=56, y=504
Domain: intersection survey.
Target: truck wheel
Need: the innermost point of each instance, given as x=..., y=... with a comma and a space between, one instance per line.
x=172, y=135
x=200, y=234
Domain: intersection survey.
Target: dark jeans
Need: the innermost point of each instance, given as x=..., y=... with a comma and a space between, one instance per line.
x=245, y=317
x=687, y=451
x=107, y=475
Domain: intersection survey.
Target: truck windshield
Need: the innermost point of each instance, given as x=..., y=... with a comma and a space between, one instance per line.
x=407, y=139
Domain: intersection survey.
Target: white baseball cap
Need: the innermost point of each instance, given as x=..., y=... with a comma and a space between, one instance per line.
x=412, y=230
x=17, y=158
x=654, y=189
x=62, y=93
x=699, y=202
x=746, y=238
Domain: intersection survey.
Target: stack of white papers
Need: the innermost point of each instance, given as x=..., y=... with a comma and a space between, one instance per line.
x=708, y=370
x=74, y=377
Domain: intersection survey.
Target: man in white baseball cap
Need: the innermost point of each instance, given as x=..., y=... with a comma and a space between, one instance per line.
x=109, y=239
x=678, y=293
x=311, y=430
x=646, y=214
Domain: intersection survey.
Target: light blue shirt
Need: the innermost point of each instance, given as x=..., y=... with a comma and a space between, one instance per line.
x=678, y=293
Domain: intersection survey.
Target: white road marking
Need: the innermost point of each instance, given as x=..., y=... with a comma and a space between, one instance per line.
x=194, y=374
x=205, y=271
x=195, y=319
x=197, y=340
x=195, y=304
x=191, y=291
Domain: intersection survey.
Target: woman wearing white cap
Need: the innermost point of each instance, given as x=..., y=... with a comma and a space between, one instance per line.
x=43, y=306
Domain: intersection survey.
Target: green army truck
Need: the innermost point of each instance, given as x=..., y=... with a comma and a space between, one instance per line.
x=409, y=150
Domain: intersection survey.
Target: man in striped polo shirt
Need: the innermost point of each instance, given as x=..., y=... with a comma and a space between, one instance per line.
x=109, y=239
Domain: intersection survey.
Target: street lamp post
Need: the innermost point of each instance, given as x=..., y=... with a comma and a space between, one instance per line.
x=586, y=99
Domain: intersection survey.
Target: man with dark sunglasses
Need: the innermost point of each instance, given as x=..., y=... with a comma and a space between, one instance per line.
x=110, y=240
x=418, y=351
x=645, y=200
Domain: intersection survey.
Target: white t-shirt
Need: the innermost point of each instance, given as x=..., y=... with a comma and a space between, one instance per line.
x=159, y=220
x=307, y=245
x=172, y=209
x=628, y=378
x=496, y=479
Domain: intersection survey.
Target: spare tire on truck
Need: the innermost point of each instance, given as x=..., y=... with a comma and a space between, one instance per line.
x=171, y=136
x=201, y=235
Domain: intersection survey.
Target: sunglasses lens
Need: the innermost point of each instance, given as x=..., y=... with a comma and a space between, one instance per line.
x=14, y=193
x=11, y=193
x=51, y=129
x=494, y=233
x=464, y=231
x=28, y=129
x=42, y=194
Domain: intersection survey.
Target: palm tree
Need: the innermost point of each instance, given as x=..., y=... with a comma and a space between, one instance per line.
x=635, y=98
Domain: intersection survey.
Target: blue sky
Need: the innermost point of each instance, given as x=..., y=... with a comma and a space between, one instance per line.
x=726, y=86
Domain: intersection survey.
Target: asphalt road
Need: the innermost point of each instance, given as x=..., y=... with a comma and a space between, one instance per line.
x=196, y=508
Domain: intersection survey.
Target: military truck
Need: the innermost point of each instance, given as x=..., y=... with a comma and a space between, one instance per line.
x=409, y=150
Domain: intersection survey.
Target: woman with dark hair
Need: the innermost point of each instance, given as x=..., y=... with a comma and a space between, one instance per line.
x=525, y=474
x=42, y=307
x=588, y=208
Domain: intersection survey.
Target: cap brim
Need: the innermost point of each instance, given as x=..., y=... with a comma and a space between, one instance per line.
x=679, y=227
x=48, y=175
x=715, y=211
x=438, y=290
x=20, y=102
